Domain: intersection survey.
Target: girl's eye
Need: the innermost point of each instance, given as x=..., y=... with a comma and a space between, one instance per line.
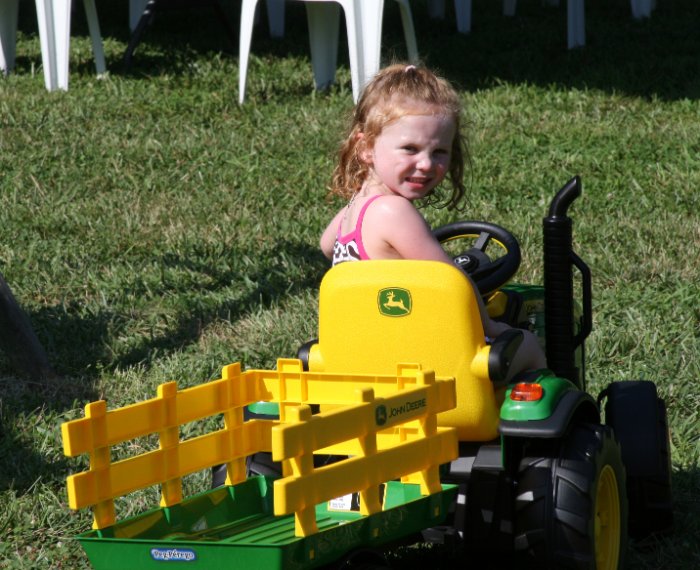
x=410, y=149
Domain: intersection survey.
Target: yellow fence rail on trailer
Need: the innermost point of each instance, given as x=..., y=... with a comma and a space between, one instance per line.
x=386, y=424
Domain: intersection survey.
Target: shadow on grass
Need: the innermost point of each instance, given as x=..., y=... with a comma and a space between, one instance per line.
x=78, y=341
x=272, y=285
x=21, y=466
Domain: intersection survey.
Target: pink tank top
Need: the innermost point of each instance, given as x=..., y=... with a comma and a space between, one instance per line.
x=350, y=247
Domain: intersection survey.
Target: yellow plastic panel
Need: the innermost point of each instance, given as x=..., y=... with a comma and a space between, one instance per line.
x=357, y=429
x=295, y=386
x=101, y=429
x=340, y=425
x=151, y=468
x=351, y=475
x=362, y=331
x=410, y=397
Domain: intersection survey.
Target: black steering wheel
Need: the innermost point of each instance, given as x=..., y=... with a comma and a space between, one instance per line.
x=488, y=272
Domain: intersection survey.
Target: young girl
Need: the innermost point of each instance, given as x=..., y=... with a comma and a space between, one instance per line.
x=404, y=140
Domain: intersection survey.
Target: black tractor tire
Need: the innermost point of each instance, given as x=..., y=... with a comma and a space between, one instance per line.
x=638, y=417
x=571, y=509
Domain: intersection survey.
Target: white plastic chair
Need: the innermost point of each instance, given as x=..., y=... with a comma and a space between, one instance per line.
x=642, y=8
x=53, y=17
x=363, y=19
x=8, y=34
x=463, y=10
x=576, y=23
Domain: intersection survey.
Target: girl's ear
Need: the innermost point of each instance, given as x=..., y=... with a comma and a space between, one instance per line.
x=363, y=150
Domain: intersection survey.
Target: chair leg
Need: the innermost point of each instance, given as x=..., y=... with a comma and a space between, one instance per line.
x=463, y=11
x=95, y=36
x=54, y=35
x=275, y=17
x=509, y=7
x=245, y=37
x=641, y=8
x=136, y=8
x=324, y=26
x=576, y=24
x=370, y=41
x=409, y=31
x=353, y=21
x=145, y=20
x=436, y=9
x=9, y=10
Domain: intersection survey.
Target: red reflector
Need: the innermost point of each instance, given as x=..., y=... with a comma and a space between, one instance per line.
x=525, y=392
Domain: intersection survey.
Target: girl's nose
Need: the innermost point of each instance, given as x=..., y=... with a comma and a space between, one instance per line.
x=424, y=162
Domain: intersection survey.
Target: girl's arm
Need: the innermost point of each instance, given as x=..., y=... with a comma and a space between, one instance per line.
x=329, y=234
x=393, y=228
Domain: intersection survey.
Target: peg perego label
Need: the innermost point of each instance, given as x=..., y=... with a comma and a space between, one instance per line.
x=173, y=555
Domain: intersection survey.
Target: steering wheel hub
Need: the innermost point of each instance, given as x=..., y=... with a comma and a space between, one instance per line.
x=487, y=271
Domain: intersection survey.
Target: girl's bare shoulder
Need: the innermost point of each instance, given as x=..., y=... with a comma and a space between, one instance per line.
x=394, y=207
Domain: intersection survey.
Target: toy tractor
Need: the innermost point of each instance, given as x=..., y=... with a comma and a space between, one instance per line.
x=543, y=466
x=399, y=419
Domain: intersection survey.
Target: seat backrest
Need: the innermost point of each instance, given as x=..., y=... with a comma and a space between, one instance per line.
x=374, y=315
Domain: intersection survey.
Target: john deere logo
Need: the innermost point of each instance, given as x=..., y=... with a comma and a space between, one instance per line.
x=394, y=302
x=380, y=415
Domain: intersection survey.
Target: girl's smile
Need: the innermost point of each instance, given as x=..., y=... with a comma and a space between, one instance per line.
x=411, y=156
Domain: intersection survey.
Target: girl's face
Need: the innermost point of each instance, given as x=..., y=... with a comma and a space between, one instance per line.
x=411, y=156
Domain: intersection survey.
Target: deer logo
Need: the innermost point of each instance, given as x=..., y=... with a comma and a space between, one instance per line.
x=394, y=302
x=380, y=415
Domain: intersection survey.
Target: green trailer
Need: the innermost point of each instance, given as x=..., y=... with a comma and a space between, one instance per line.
x=235, y=527
x=382, y=487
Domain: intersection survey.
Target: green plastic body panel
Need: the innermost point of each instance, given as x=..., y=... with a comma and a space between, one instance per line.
x=531, y=312
x=530, y=315
x=553, y=390
x=234, y=527
x=265, y=408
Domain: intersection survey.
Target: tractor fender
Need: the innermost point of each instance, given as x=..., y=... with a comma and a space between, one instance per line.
x=573, y=407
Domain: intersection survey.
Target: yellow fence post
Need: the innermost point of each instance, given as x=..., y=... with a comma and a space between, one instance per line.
x=369, y=497
x=430, y=477
x=303, y=465
x=233, y=420
x=292, y=368
x=168, y=441
x=103, y=512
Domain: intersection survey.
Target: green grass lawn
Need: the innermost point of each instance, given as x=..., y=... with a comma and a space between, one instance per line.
x=153, y=229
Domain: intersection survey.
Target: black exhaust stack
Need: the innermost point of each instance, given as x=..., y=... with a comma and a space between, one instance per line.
x=562, y=338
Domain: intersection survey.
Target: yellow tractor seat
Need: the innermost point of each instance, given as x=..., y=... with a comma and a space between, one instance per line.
x=374, y=315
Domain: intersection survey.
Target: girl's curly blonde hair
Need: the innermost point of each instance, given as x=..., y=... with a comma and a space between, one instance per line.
x=396, y=91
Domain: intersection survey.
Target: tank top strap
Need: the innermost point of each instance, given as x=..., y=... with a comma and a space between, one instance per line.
x=361, y=217
x=358, y=225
